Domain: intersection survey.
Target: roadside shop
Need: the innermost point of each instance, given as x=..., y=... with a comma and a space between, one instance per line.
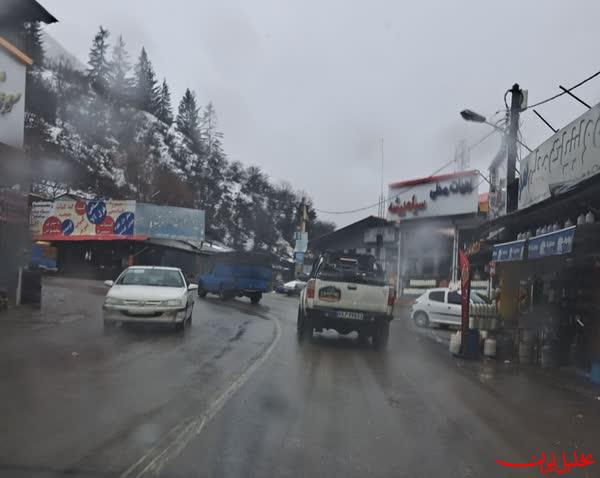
x=545, y=257
x=433, y=217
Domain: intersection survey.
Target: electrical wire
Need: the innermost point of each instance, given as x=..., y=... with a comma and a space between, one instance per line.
x=562, y=92
x=473, y=146
x=385, y=200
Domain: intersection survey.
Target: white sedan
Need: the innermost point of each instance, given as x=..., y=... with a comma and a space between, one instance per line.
x=440, y=306
x=149, y=294
x=293, y=287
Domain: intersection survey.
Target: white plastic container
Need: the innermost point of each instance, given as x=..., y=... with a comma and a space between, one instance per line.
x=489, y=347
x=455, y=343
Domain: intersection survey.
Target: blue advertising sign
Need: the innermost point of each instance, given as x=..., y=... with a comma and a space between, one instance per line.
x=124, y=224
x=508, y=251
x=169, y=222
x=551, y=244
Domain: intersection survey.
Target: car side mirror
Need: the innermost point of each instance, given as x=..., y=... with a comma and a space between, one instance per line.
x=193, y=287
x=109, y=283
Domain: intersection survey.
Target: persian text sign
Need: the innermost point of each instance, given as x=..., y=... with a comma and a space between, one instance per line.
x=508, y=251
x=70, y=219
x=569, y=156
x=445, y=195
x=551, y=244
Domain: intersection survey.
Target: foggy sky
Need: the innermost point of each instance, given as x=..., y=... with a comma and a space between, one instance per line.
x=306, y=89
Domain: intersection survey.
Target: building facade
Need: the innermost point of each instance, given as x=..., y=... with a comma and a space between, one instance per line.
x=15, y=168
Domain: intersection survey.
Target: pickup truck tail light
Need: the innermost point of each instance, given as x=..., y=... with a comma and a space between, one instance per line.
x=391, y=296
x=310, y=289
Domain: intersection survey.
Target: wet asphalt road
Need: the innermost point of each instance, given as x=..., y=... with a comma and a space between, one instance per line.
x=237, y=396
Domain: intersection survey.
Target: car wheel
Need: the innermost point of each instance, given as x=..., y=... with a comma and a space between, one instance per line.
x=382, y=335
x=189, y=319
x=421, y=319
x=201, y=291
x=304, y=326
x=180, y=326
x=255, y=298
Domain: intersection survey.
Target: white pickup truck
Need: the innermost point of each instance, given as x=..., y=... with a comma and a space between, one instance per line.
x=347, y=292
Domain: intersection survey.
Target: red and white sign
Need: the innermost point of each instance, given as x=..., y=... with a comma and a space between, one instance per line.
x=434, y=196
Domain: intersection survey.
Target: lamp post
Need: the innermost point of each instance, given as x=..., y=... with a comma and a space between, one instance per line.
x=469, y=115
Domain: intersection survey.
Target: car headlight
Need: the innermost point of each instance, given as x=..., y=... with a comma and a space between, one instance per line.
x=113, y=301
x=175, y=303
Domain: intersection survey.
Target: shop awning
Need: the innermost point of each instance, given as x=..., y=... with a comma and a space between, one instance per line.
x=551, y=244
x=508, y=251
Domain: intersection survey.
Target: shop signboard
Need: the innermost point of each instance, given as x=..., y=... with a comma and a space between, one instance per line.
x=508, y=251
x=68, y=219
x=436, y=196
x=300, y=241
x=566, y=158
x=167, y=222
x=552, y=244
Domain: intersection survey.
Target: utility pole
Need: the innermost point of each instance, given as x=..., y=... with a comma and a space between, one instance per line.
x=302, y=227
x=512, y=183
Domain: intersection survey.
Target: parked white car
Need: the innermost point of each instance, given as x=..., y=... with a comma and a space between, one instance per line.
x=294, y=287
x=149, y=294
x=440, y=306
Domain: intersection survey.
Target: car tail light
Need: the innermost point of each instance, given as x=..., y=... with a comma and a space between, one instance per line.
x=391, y=296
x=310, y=289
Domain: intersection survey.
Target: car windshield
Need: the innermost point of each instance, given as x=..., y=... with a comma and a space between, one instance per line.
x=234, y=233
x=151, y=277
x=349, y=268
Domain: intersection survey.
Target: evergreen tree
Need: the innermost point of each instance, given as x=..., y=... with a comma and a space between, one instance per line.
x=33, y=43
x=99, y=69
x=208, y=130
x=120, y=81
x=164, y=111
x=145, y=87
x=188, y=122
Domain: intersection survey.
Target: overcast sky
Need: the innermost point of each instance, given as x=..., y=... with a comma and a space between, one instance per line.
x=307, y=88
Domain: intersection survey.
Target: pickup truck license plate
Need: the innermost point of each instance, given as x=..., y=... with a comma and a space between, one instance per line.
x=342, y=314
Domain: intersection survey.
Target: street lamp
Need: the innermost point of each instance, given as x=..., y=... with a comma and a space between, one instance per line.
x=469, y=115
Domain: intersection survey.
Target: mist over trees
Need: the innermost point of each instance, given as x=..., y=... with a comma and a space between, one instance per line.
x=111, y=131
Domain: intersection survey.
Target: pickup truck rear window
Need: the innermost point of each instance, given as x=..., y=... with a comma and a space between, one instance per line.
x=357, y=269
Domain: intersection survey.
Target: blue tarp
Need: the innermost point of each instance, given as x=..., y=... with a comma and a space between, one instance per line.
x=551, y=244
x=508, y=251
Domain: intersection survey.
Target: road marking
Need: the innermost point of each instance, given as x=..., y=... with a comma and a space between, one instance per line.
x=158, y=456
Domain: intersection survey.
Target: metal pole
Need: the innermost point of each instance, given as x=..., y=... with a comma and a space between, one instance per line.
x=512, y=189
x=398, y=283
x=454, y=256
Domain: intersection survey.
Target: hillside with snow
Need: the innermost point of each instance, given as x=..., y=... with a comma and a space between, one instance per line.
x=109, y=131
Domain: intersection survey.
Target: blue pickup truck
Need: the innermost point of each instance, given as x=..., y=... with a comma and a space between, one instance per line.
x=237, y=274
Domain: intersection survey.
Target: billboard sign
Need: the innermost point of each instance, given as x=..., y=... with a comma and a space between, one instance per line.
x=167, y=222
x=436, y=196
x=69, y=219
x=301, y=241
x=566, y=158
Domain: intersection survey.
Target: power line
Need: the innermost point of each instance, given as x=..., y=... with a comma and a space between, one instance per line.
x=562, y=92
x=385, y=200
